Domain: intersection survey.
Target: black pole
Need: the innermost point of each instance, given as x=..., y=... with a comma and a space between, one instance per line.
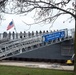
x=75, y=41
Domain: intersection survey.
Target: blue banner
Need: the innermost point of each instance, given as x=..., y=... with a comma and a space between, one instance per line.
x=53, y=36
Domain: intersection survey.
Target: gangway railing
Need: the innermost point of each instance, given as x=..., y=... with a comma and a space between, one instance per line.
x=26, y=45
x=10, y=48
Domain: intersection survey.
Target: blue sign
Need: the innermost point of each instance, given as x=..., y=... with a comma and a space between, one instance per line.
x=53, y=36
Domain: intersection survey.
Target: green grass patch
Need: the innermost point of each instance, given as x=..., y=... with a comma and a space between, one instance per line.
x=14, y=70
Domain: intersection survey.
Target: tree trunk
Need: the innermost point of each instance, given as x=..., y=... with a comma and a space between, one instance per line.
x=75, y=49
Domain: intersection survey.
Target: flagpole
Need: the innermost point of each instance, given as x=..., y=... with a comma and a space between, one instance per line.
x=14, y=26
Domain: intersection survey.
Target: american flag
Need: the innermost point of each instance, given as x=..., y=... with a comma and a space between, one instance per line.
x=10, y=25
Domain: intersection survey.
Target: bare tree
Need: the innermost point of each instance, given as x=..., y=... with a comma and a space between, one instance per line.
x=45, y=11
x=48, y=11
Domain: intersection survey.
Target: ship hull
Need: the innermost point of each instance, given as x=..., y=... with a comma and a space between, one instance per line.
x=57, y=52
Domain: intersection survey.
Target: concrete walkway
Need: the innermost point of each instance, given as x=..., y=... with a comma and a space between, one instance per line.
x=38, y=65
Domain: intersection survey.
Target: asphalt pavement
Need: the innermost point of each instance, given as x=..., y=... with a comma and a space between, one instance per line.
x=38, y=65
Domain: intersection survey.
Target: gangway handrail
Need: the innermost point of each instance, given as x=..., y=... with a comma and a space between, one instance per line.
x=17, y=41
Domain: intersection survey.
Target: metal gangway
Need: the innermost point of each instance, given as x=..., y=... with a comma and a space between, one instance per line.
x=18, y=46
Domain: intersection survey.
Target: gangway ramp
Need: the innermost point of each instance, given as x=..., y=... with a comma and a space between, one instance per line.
x=26, y=45
x=15, y=47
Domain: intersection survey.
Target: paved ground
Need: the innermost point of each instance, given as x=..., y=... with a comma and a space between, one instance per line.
x=38, y=65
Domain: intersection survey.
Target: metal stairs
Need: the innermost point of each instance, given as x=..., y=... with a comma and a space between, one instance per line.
x=18, y=46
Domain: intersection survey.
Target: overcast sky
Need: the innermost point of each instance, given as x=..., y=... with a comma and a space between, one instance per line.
x=20, y=26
